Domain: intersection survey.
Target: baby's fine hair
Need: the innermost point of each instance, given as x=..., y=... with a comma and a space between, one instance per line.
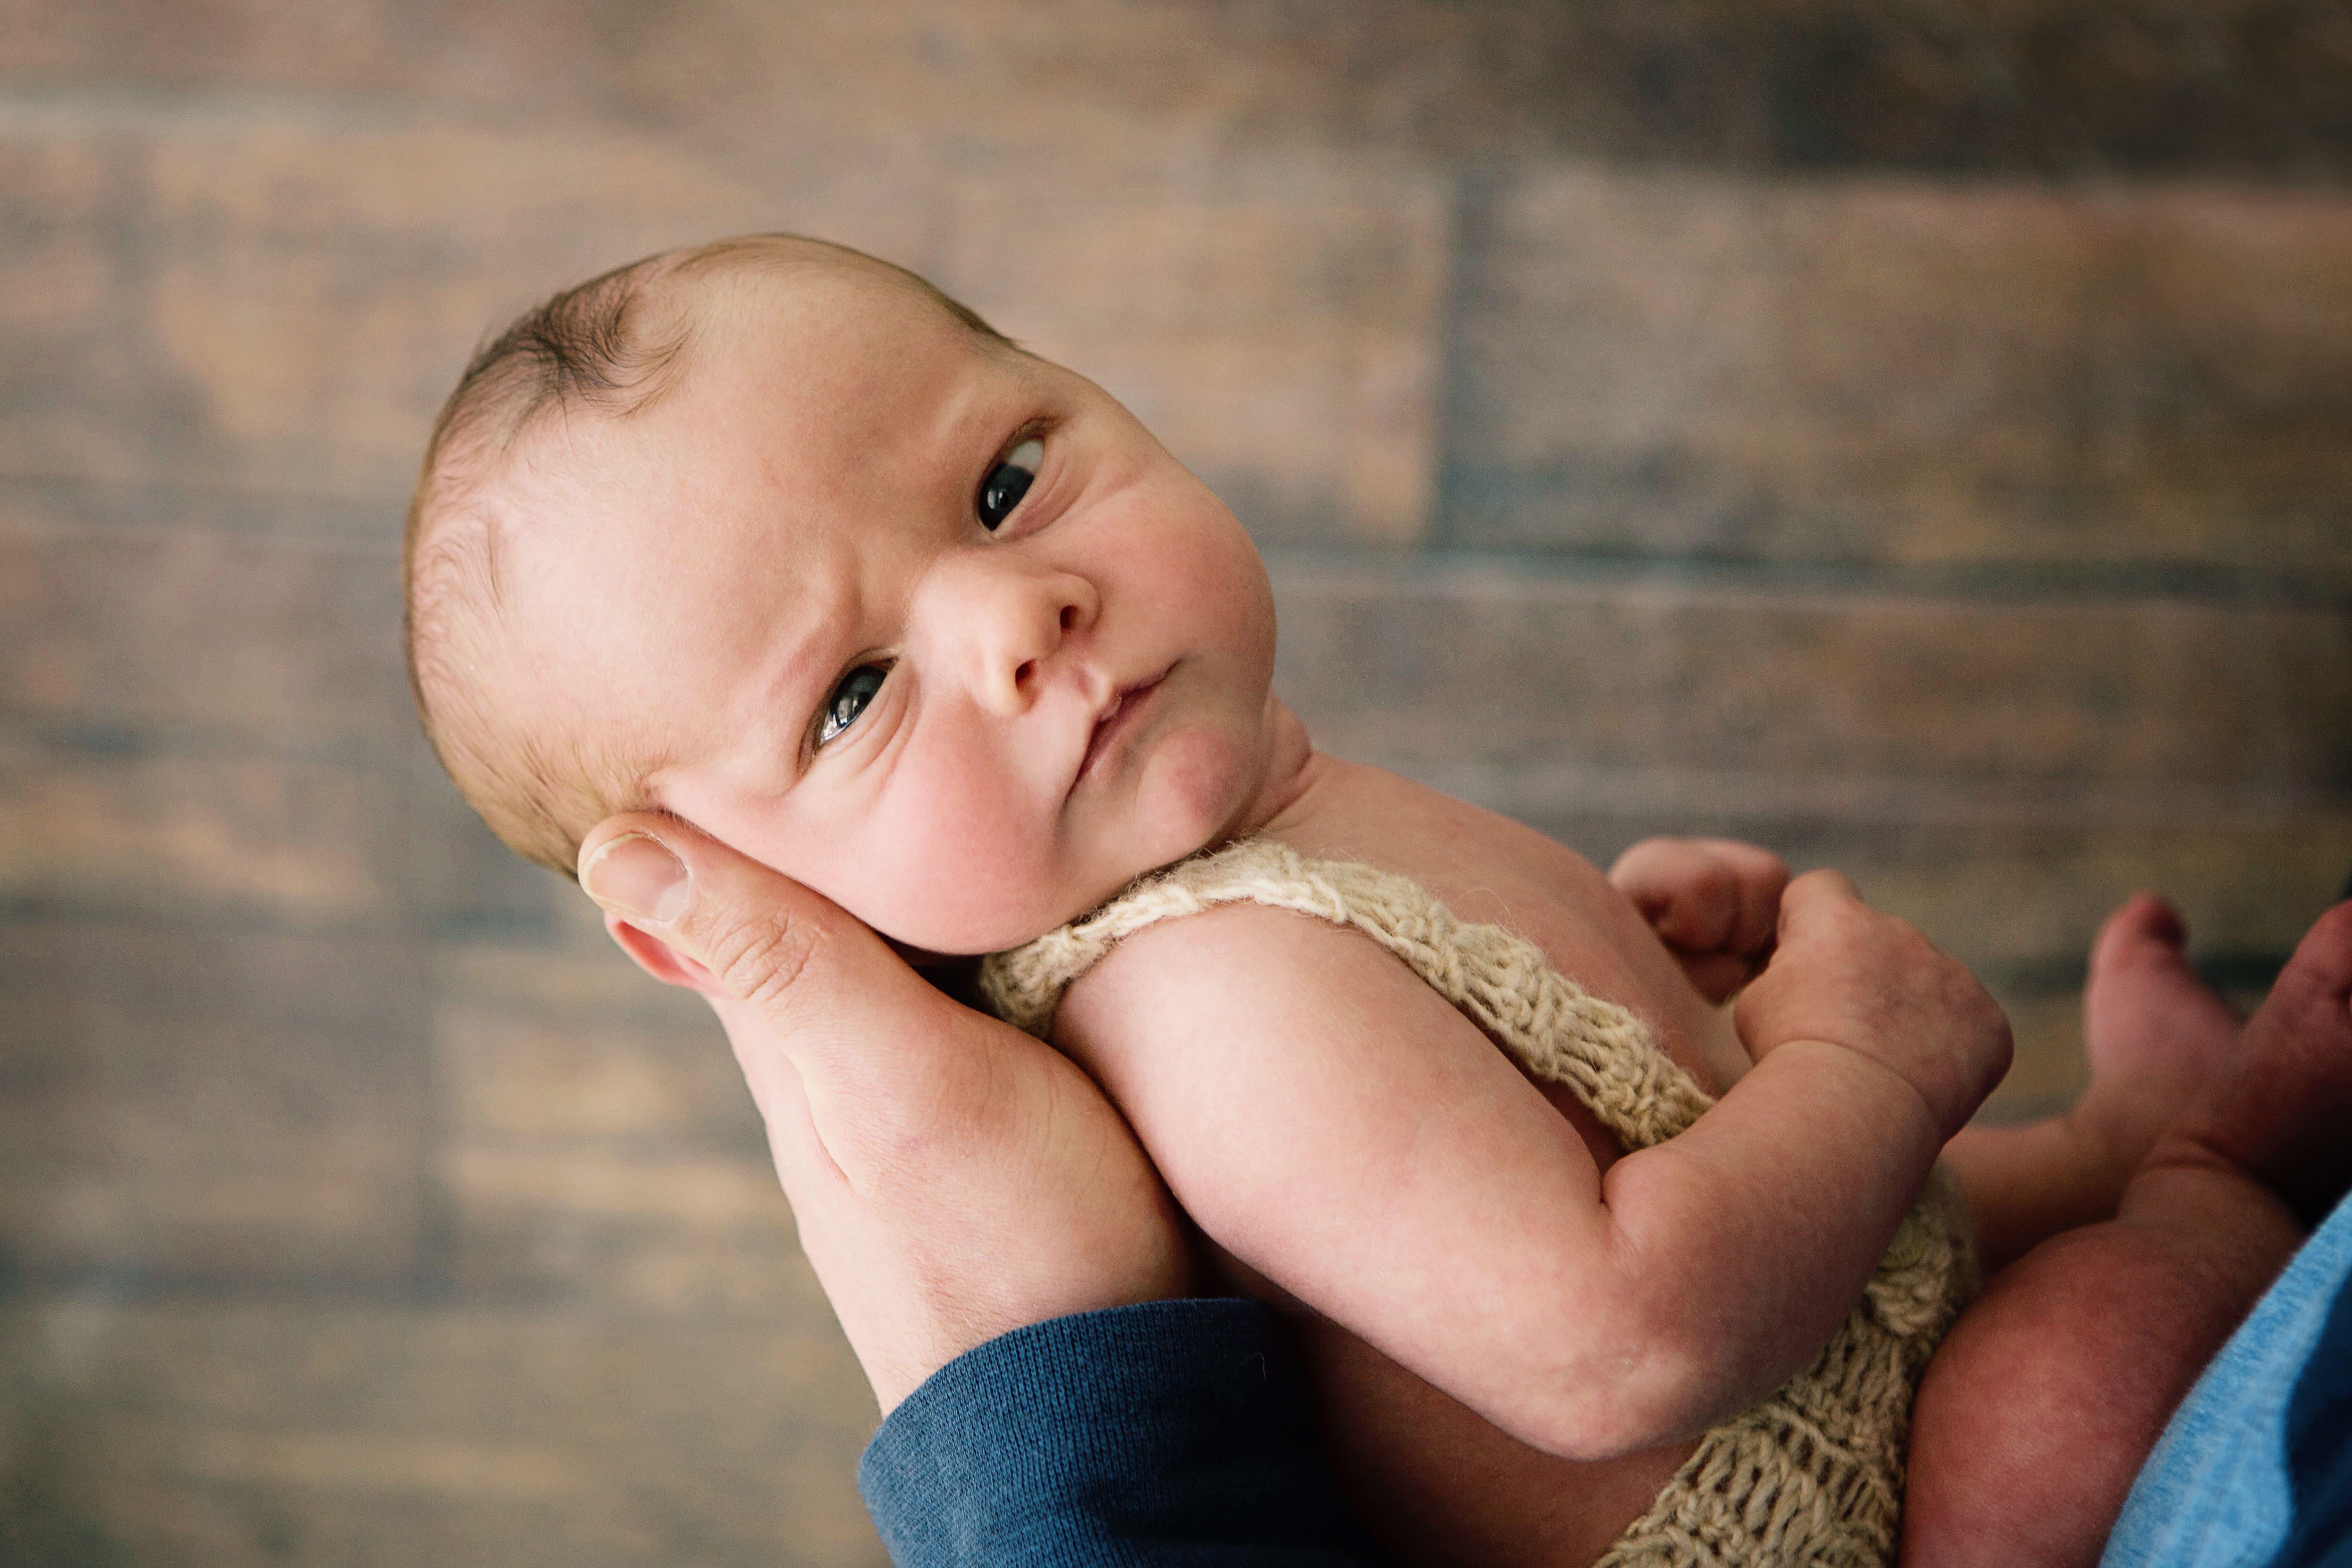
x=610, y=347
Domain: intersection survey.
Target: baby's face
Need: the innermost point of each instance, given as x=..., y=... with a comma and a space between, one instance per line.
x=809, y=579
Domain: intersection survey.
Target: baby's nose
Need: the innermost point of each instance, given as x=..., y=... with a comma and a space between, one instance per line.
x=1015, y=620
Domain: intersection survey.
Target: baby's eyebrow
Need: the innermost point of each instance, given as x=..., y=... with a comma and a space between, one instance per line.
x=982, y=418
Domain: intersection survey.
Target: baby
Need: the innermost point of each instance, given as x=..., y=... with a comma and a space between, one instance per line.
x=777, y=538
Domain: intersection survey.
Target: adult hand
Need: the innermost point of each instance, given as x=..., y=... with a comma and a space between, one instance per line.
x=1843, y=973
x=953, y=1178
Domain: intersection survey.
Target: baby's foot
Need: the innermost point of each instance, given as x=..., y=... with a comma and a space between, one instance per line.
x=2281, y=1109
x=2157, y=1036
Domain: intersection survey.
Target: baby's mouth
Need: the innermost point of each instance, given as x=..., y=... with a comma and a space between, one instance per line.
x=1117, y=719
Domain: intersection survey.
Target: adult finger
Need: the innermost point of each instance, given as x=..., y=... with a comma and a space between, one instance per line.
x=953, y=1178
x=854, y=1021
x=739, y=928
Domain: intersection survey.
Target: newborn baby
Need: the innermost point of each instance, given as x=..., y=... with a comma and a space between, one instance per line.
x=777, y=538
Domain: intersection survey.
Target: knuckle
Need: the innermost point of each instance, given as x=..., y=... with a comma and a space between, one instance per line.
x=762, y=961
x=1990, y=1015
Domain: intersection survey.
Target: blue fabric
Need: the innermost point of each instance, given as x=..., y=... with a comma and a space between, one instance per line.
x=2254, y=1468
x=2319, y=1450
x=1179, y=1434
x=1171, y=1435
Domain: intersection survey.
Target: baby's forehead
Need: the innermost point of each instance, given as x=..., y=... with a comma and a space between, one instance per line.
x=740, y=352
x=700, y=493
x=834, y=371
x=818, y=292
x=836, y=357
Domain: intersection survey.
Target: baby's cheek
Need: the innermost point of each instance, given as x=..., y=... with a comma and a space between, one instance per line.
x=961, y=869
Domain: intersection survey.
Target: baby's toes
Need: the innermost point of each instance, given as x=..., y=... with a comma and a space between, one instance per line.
x=2315, y=986
x=2285, y=1113
x=2146, y=931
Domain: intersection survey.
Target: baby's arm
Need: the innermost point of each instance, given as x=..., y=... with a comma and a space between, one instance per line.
x=1343, y=1131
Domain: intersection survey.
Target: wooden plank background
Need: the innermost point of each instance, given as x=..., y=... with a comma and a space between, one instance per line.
x=1911, y=433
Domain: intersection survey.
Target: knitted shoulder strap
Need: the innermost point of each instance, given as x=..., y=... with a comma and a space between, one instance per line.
x=1502, y=981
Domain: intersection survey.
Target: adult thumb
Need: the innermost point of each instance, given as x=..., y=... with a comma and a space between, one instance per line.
x=693, y=912
x=900, y=1086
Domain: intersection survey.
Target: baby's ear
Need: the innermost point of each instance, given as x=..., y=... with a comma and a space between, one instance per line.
x=661, y=960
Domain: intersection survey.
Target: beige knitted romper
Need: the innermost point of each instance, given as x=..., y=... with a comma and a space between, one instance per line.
x=1813, y=1474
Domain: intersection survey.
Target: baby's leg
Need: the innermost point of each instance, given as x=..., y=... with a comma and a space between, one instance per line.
x=2156, y=1037
x=2038, y=1409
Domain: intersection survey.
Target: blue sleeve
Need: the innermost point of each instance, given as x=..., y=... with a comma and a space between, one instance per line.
x=2256, y=1465
x=1170, y=1435
x=2319, y=1448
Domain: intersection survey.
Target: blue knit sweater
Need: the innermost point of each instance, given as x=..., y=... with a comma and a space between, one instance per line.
x=1173, y=1435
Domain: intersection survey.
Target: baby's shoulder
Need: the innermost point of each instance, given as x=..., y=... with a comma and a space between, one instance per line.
x=1218, y=954
x=1240, y=975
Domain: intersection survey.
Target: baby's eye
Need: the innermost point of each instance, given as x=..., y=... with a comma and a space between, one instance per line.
x=1009, y=482
x=849, y=699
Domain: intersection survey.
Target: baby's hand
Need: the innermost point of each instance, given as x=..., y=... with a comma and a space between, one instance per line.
x=1715, y=902
x=1846, y=974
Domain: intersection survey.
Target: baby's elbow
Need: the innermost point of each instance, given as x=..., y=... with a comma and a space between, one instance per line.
x=1618, y=1398
x=1604, y=1422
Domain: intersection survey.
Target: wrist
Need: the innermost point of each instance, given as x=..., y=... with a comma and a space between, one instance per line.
x=1930, y=1110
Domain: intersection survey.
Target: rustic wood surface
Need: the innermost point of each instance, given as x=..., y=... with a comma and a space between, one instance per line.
x=1910, y=434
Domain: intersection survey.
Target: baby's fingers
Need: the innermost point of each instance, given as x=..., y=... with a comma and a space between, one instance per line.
x=1761, y=878
x=1718, y=976
x=1686, y=894
x=1705, y=895
x=1850, y=975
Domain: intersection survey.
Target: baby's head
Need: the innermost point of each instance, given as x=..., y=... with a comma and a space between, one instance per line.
x=777, y=538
